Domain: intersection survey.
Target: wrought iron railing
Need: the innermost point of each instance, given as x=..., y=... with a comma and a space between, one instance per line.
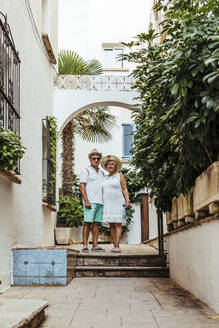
x=9, y=81
x=49, y=183
x=97, y=82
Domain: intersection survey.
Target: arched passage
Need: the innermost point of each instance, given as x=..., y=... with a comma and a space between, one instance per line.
x=92, y=105
x=69, y=103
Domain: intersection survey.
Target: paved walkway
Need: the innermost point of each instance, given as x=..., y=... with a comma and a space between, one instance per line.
x=139, y=249
x=119, y=303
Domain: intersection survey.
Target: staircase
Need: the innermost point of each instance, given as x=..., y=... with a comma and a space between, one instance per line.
x=120, y=265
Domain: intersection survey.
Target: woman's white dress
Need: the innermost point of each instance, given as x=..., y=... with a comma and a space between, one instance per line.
x=113, y=200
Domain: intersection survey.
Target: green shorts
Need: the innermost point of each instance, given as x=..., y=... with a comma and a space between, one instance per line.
x=94, y=214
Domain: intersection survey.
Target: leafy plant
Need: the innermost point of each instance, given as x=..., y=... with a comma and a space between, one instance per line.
x=11, y=149
x=177, y=116
x=94, y=124
x=70, y=212
x=134, y=182
x=69, y=62
x=52, y=126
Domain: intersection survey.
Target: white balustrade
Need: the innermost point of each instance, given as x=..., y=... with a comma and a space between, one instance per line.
x=97, y=82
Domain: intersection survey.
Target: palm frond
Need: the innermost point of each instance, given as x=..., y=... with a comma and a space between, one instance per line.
x=94, y=125
x=69, y=62
x=94, y=67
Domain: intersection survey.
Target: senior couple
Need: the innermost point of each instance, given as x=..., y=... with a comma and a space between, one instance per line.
x=105, y=198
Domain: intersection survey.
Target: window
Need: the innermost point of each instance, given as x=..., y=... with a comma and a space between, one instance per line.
x=111, y=57
x=128, y=131
x=9, y=82
x=48, y=180
x=9, y=79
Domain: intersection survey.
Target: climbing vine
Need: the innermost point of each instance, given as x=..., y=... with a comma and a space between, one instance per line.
x=52, y=127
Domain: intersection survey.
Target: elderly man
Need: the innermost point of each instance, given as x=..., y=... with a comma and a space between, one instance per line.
x=91, y=180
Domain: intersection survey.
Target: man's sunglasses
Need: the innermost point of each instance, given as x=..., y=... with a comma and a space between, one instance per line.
x=95, y=158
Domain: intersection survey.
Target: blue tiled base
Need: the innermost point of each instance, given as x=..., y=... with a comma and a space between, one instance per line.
x=40, y=267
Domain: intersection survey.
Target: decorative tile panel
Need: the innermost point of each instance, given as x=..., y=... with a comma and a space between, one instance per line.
x=42, y=266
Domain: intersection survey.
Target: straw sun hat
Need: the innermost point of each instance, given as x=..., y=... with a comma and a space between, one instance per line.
x=94, y=152
x=113, y=158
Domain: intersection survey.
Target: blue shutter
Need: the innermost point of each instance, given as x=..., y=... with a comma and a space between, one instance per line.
x=128, y=139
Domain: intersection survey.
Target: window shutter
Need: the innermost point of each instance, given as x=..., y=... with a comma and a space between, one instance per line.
x=128, y=139
x=108, y=58
x=118, y=60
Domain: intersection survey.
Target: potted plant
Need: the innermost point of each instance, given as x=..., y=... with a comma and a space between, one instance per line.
x=69, y=216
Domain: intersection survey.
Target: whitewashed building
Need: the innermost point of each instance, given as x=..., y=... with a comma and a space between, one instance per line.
x=24, y=219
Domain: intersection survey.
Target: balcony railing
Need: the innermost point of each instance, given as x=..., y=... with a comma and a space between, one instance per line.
x=95, y=83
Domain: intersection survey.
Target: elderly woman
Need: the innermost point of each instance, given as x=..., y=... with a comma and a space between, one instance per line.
x=115, y=198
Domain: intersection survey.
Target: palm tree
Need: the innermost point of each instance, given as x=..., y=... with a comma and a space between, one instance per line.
x=93, y=125
x=70, y=63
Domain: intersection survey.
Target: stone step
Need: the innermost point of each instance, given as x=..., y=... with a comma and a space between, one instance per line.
x=21, y=313
x=126, y=272
x=121, y=260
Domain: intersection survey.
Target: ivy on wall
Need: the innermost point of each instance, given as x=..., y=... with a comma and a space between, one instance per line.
x=52, y=127
x=11, y=149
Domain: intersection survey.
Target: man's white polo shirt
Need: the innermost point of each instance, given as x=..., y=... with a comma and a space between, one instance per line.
x=94, y=181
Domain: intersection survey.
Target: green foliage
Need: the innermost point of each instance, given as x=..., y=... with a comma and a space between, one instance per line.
x=70, y=63
x=53, y=136
x=177, y=116
x=76, y=187
x=70, y=212
x=11, y=149
x=94, y=67
x=94, y=124
x=134, y=182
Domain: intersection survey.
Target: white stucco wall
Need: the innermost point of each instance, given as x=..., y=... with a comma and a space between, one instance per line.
x=23, y=220
x=194, y=264
x=153, y=225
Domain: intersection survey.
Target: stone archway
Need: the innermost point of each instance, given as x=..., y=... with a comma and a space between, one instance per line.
x=70, y=101
x=77, y=111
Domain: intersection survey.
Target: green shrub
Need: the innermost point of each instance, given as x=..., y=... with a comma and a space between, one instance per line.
x=11, y=149
x=70, y=212
x=177, y=115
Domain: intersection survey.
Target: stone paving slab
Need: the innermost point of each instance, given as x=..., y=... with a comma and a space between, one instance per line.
x=119, y=303
x=140, y=249
x=19, y=312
